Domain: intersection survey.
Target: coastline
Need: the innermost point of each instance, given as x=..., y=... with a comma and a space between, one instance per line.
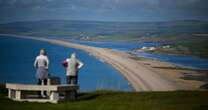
x=139, y=75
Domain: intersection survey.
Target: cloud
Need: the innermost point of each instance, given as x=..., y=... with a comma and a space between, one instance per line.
x=104, y=9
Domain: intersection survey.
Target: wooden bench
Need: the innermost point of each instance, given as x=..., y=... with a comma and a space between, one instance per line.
x=18, y=92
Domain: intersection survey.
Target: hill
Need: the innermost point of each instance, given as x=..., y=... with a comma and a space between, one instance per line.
x=104, y=30
x=106, y=100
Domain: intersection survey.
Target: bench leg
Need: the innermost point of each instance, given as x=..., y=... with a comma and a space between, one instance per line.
x=54, y=97
x=71, y=95
x=9, y=93
x=18, y=95
x=42, y=92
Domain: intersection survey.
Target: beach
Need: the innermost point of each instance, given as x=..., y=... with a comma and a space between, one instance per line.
x=142, y=75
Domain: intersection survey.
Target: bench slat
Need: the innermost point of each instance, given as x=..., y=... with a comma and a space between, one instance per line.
x=29, y=87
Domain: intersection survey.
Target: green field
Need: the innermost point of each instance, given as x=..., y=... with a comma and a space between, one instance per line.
x=106, y=100
x=141, y=58
x=126, y=37
x=195, y=45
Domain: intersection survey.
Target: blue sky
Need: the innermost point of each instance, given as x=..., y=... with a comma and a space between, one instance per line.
x=103, y=10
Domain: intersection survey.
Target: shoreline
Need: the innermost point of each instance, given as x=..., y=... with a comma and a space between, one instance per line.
x=176, y=64
x=140, y=77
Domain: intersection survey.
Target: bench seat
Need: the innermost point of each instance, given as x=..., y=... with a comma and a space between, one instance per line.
x=16, y=91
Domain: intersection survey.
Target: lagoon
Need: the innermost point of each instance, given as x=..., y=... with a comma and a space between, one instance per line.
x=185, y=61
x=116, y=45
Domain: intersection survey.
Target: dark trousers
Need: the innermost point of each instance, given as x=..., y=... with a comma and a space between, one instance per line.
x=39, y=83
x=72, y=95
x=71, y=79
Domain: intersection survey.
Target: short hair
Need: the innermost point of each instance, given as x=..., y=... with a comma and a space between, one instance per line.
x=43, y=49
x=73, y=54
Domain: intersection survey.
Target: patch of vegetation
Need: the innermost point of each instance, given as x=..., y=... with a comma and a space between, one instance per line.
x=117, y=38
x=184, y=45
x=141, y=58
x=198, y=47
x=104, y=100
x=177, y=49
x=52, y=33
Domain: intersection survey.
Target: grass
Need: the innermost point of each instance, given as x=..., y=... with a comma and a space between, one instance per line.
x=187, y=48
x=183, y=45
x=107, y=100
x=125, y=37
x=50, y=33
x=196, y=47
x=141, y=58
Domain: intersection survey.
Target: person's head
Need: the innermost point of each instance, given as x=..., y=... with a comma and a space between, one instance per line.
x=73, y=55
x=42, y=51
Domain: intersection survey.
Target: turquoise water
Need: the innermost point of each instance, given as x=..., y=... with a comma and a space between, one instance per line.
x=17, y=57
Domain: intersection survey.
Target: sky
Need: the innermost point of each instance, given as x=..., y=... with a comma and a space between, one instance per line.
x=103, y=10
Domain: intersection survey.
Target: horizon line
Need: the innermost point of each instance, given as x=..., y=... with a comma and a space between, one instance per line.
x=148, y=21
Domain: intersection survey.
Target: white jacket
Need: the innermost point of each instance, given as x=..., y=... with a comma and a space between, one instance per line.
x=41, y=61
x=73, y=67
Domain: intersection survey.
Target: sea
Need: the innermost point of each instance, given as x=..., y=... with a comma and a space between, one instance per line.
x=18, y=55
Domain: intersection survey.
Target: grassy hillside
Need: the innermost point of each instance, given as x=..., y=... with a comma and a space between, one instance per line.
x=102, y=100
x=181, y=35
x=107, y=30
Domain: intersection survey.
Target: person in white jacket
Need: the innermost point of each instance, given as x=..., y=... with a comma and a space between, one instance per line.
x=41, y=64
x=72, y=66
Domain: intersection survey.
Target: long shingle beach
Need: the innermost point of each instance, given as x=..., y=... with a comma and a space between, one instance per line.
x=141, y=77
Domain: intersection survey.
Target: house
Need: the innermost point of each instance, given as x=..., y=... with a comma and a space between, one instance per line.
x=152, y=48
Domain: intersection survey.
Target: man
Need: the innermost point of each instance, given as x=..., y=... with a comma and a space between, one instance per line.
x=72, y=66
